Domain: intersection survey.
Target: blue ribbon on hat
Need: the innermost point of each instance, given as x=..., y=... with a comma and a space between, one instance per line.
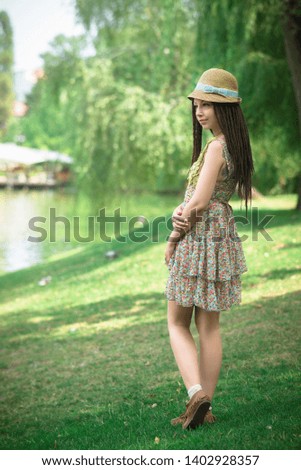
x=214, y=89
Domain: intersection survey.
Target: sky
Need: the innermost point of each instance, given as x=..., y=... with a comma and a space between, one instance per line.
x=35, y=23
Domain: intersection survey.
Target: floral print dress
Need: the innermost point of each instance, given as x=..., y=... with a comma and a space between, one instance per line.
x=206, y=266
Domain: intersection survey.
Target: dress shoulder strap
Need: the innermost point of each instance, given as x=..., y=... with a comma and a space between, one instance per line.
x=226, y=154
x=194, y=171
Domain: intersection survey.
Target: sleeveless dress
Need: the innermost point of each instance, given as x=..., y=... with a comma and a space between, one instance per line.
x=206, y=266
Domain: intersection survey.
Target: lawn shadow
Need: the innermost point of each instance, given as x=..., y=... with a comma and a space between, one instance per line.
x=273, y=274
x=117, y=372
x=134, y=308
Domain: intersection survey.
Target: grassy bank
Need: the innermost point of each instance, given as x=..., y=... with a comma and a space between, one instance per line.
x=86, y=361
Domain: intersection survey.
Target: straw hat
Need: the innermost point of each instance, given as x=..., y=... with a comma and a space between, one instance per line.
x=216, y=85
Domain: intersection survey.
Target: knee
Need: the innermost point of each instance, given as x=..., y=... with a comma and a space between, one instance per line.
x=176, y=324
x=178, y=317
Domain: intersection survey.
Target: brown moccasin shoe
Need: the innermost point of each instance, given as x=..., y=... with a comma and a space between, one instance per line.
x=209, y=417
x=196, y=410
x=179, y=420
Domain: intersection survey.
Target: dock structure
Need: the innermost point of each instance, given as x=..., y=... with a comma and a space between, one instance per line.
x=24, y=167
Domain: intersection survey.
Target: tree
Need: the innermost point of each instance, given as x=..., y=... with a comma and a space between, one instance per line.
x=148, y=42
x=50, y=120
x=247, y=39
x=164, y=45
x=6, y=72
x=292, y=39
x=61, y=63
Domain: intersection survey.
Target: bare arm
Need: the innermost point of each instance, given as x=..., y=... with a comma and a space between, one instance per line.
x=213, y=161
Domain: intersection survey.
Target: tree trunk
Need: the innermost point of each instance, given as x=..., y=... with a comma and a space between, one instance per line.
x=292, y=39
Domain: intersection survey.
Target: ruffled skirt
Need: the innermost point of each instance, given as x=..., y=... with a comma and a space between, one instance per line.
x=207, y=263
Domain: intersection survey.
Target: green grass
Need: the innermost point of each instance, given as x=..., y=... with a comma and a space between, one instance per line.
x=86, y=361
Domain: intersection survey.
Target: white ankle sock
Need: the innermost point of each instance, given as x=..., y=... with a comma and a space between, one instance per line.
x=194, y=389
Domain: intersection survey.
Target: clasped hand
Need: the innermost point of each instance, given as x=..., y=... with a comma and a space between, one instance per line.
x=179, y=223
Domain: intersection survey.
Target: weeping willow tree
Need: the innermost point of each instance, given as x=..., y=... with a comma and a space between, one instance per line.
x=164, y=46
x=149, y=42
x=127, y=139
x=6, y=72
x=248, y=39
x=292, y=36
x=137, y=129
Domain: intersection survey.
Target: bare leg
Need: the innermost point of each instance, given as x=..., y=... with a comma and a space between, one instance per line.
x=207, y=324
x=182, y=343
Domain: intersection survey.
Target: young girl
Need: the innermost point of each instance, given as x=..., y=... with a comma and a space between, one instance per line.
x=204, y=254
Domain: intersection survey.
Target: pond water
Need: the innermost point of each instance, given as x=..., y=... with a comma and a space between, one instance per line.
x=17, y=208
x=36, y=224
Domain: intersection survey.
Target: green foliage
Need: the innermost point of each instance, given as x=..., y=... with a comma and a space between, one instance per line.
x=44, y=124
x=6, y=76
x=147, y=41
x=246, y=38
x=50, y=123
x=130, y=139
x=276, y=164
x=123, y=113
x=62, y=63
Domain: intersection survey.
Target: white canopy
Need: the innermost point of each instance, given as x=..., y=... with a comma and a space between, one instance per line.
x=12, y=154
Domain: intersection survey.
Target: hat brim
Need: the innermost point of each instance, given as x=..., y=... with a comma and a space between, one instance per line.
x=213, y=97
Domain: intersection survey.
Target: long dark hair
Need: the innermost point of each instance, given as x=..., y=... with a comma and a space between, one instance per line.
x=233, y=125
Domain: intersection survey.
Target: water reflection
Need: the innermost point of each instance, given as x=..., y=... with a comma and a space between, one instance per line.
x=16, y=209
